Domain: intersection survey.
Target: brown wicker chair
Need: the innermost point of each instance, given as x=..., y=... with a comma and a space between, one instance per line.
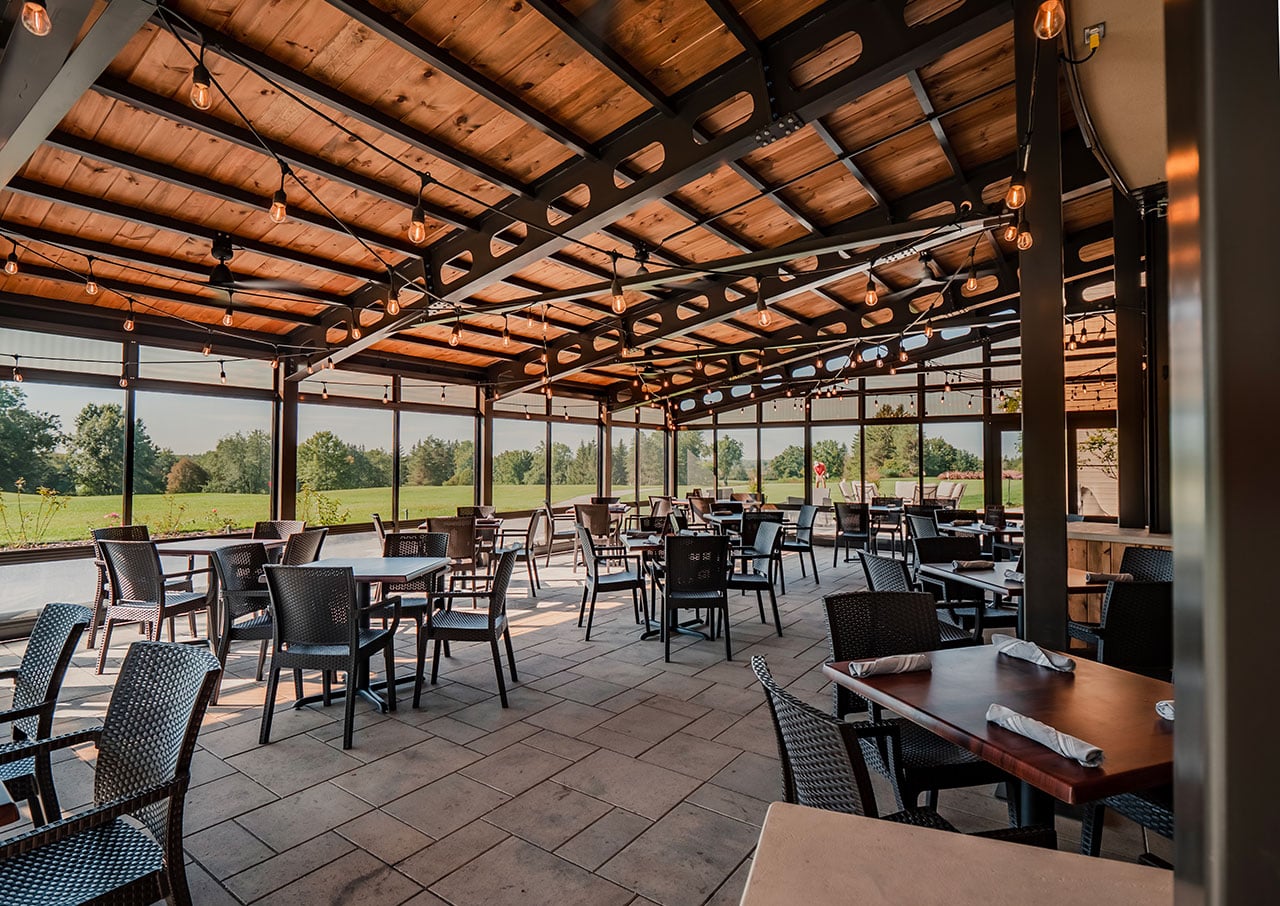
x=244, y=612
x=418, y=598
x=127, y=847
x=598, y=521
x=302, y=548
x=526, y=549
x=464, y=551
x=557, y=532
x=449, y=625
x=278, y=529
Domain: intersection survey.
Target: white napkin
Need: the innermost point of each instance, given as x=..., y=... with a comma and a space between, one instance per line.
x=895, y=663
x=1090, y=756
x=966, y=565
x=1108, y=577
x=1165, y=709
x=1030, y=651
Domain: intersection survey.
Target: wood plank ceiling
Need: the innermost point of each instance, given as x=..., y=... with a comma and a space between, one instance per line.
x=500, y=102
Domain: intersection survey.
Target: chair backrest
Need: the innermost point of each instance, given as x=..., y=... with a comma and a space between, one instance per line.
x=921, y=526
x=595, y=516
x=886, y=501
x=765, y=545
x=993, y=514
x=807, y=516
x=483, y=511
x=752, y=520
x=865, y=624
x=133, y=569
x=729, y=507
x=44, y=665
x=462, y=535
x=119, y=533
x=588, y=550
x=279, y=529
x=498, y=587
x=700, y=507
x=679, y=522
x=149, y=731
x=659, y=506
x=240, y=578
x=885, y=573
x=303, y=547
x=655, y=525
x=696, y=563
x=1147, y=564
x=378, y=528
x=416, y=544
x=851, y=518
x=607, y=501
x=312, y=605
x=822, y=762
x=906, y=489
x=1137, y=627
x=534, y=527
x=944, y=549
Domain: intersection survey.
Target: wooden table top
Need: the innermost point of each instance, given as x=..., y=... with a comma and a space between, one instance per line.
x=994, y=581
x=1106, y=707
x=206, y=546
x=8, y=808
x=396, y=570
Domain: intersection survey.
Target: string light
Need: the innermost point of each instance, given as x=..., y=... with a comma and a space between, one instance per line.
x=17, y=371
x=418, y=220
x=208, y=346
x=971, y=284
x=528, y=318
x=310, y=369
x=456, y=334
x=386, y=394
x=355, y=332
x=324, y=391
x=902, y=353
x=1025, y=239
x=763, y=317
x=91, y=285
x=201, y=85
x=872, y=297
x=526, y=413
x=275, y=362
x=1016, y=196
x=279, y=209
x=615, y=289
x=442, y=389
x=1050, y=19
x=11, y=263
x=222, y=373
x=124, y=376
x=506, y=334
x=35, y=18
x=1010, y=232
x=128, y=318
x=880, y=361
x=227, y=316
x=328, y=363
x=697, y=363
x=393, y=298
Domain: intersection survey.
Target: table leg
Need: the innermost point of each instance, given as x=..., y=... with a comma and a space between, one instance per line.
x=1035, y=807
x=364, y=598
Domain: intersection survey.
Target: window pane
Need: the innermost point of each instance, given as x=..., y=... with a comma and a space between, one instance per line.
x=1011, y=468
x=69, y=440
x=694, y=461
x=623, y=478
x=782, y=455
x=892, y=454
x=192, y=367
x=1097, y=471
x=836, y=447
x=437, y=465
x=652, y=464
x=574, y=463
x=200, y=474
x=344, y=464
x=57, y=352
x=519, y=464
x=736, y=449
x=953, y=461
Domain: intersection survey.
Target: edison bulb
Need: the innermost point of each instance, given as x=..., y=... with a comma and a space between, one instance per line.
x=1050, y=19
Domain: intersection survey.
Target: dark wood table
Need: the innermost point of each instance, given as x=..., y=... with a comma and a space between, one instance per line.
x=995, y=582
x=370, y=571
x=1109, y=708
x=8, y=808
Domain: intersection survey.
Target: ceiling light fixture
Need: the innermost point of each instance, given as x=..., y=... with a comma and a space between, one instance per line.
x=222, y=372
x=35, y=18
x=17, y=371
x=11, y=263
x=128, y=319
x=872, y=297
x=355, y=332
x=1050, y=19
x=763, y=316
x=201, y=85
x=615, y=289
x=418, y=221
x=91, y=285
x=456, y=335
x=506, y=334
x=393, y=298
x=228, y=316
x=279, y=209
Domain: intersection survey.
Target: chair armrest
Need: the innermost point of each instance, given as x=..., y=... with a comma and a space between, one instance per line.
x=52, y=744
x=89, y=819
x=1037, y=835
x=187, y=572
x=19, y=713
x=10, y=673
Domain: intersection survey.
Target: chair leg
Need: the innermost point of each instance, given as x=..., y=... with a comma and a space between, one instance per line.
x=582, y=608
x=803, y=574
x=773, y=601
x=591, y=614
x=262, y=660
x=349, y=706
x=663, y=617
x=422, y=665
x=172, y=638
x=814, y=561
x=497, y=668
x=297, y=684
x=835, y=552
x=760, y=605
x=511, y=655
x=220, y=652
x=95, y=621
x=191, y=622
x=435, y=662
x=728, y=646
x=37, y=813
x=389, y=658
x=269, y=705
x=635, y=604
x=179, y=891
x=47, y=800
x=106, y=643
x=1091, y=828
x=326, y=682
x=782, y=574
x=533, y=583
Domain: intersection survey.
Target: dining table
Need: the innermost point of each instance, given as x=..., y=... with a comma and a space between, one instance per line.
x=1107, y=707
x=368, y=572
x=995, y=538
x=995, y=580
x=646, y=549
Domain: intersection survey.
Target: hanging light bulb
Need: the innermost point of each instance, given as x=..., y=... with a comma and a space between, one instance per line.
x=946, y=385
x=1016, y=195
x=228, y=317
x=201, y=85
x=880, y=361
x=456, y=334
x=1050, y=19
x=324, y=391
x=566, y=413
x=17, y=371
x=393, y=298
x=615, y=290
x=208, y=347
x=857, y=357
x=1084, y=334
x=35, y=18
x=872, y=297
x=128, y=318
x=222, y=373
x=328, y=363
x=542, y=354
x=928, y=330
x=355, y=332
x=902, y=354
x=528, y=317
x=442, y=390
x=697, y=363
x=1025, y=239
x=90, y=284
x=971, y=284
x=124, y=377
x=386, y=394
x=1010, y=232
x=275, y=362
x=310, y=369
x=506, y=334
x=763, y=317
x=1071, y=342
x=418, y=220
x=279, y=209
x=11, y=263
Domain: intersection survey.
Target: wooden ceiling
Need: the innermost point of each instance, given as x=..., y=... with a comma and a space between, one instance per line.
x=515, y=110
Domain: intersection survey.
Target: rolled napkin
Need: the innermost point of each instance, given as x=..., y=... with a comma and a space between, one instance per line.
x=967, y=565
x=1108, y=577
x=1030, y=651
x=1165, y=709
x=962, y=522
x=894, y=663
x=1090, y=756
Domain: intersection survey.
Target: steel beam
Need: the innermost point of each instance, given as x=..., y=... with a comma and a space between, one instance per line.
x=736, y=25
x=847, y=160
x=1130, y=377
x=890, y=49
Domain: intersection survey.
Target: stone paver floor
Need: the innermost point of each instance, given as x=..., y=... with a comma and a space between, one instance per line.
x=613, y=778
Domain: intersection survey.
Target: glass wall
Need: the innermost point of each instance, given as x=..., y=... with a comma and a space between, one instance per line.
x=519, y=464
x=695, y=459
x=344, y=463
x=953, y=459
x=1011, y=468
x=574, y=463
x=622, y=480
x=202, y=474
x=652, y=471
x=835, y=447
x=736, y=460
x=437, y=464
x=1097, y=471
x=782, y=458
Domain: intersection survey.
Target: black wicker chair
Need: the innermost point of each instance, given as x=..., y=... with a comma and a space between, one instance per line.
x=824, y=764
x=415, y=599
x=801, y=543
x=144, y=746
x=1150, y=809
x=526, y=550
x=140, y=594
x=277, y=529
x=102, y=589
x=1147, y=564
x=597, y=581
x=890, y=524
x=853, y=529
x=244, y=612
x=695, y=578
x=36, y=683
x=877, y=624
x=302, y=548
x=893, y=575
x=965, y=605
x=449, y=625
x=1136, y=632
x=464, y=545
x=557, y=532
x=316, y=618
x=761, y=572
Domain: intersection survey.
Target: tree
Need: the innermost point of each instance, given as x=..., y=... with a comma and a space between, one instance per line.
x=651, y=465
x=729, y=455
x=891, y=450
x=512, y=467
x=787, y=465
x=240, y=464
x=326, y=462
x=96, y=453
x=621, y=476
x=692, y=455
x=941, y=456
x=186, y=477
x=1100, y=449
x=833, y=454
x=28, y=440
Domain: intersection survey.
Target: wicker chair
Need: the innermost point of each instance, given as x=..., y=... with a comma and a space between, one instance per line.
x=887, y=524
x=892, y=575
x=659, y=506
x=526, y=550
x=244, y=614
x=864, y=624
x=853, y=528
x=696, y=577
x=36, y=683
x=477, y=512
x=557, y=533
x=449, y=625
x=280, y=529
x=415, y=600
x=597, y=581
x=1150, y=809
x=965, y=605
x=379, y=529
x=1136, y=631
x=102, y=589
x=920, y=525
x=1147, y=564
x=699, y=509
x=144, y=746
x=598, y=522
x=464, y=551
x=763, y=557
x=302, y=548
x=824, y=764
x=139, y=593
x=800, y=543
x=316, y=618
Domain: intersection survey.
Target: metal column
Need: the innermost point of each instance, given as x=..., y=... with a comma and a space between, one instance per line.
x=1130, y=347
x=484, y=447
x=285, y=491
